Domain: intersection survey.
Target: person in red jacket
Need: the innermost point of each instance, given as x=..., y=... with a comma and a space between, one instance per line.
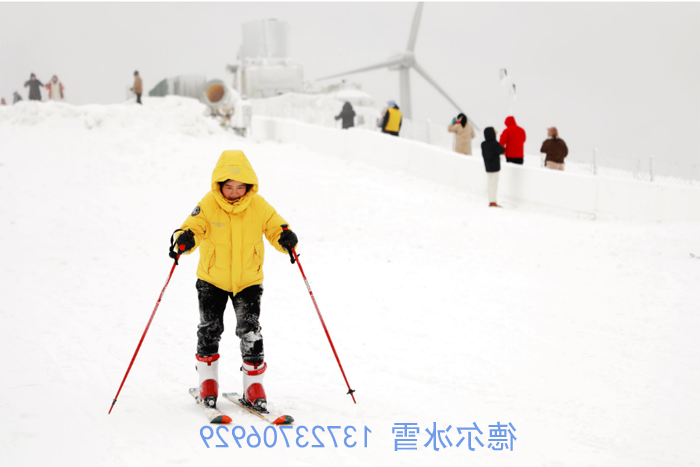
x=513, y=139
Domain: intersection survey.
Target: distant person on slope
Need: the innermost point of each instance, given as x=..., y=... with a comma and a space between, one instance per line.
x=556, y=150
x=2, y=101
x=491, y=151
x=228, y=225
x=513, y=140
x=348, y=116
x=56, y=90
x=464, y=133
x=137, y=88
x=391, y=123
x=34, y=86
x=16, y=97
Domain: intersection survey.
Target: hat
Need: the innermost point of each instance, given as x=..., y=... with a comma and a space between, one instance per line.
x=391, y=104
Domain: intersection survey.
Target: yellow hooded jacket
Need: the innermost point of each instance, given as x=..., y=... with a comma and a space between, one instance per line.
x=229, y=233
x=394, y=123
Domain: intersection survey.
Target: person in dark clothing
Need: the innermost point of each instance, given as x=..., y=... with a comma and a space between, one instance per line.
x=391, y=123
x=34, y=86
x=556, y=150
x=491, y=150
x=16, y=98
x=348, y=116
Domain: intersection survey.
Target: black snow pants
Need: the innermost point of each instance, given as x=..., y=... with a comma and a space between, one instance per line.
x=246, y=304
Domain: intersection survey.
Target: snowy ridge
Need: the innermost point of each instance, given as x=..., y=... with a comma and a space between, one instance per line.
x=581, y=334
x=171, y=113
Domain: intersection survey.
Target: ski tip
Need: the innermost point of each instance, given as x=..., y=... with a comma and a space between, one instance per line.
x=283, y=420
x=221, y=419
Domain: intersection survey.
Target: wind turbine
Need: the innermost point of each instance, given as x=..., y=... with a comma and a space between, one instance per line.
x=402, y=63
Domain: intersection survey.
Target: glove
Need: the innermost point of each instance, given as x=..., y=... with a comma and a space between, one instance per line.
x=288, y=240
x=185, y=242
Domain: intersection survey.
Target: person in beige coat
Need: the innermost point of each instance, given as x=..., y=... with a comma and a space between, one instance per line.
x=464, y=133
x=138, y=87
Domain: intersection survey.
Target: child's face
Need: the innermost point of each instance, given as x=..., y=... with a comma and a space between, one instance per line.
x=232, y=190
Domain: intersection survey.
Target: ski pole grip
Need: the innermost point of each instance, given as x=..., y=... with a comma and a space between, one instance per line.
x=175, y=254
x=291, y=255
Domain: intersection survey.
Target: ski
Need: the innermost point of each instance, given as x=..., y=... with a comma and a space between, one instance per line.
x=212, y=413
x=272, y=418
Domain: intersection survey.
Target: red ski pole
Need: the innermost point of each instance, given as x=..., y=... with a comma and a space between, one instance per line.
x=145, y=331
x=294, y=258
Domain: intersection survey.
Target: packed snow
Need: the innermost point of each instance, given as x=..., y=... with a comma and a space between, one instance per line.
x=581, y=334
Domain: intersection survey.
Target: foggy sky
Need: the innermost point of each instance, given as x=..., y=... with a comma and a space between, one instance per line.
x=623, y=77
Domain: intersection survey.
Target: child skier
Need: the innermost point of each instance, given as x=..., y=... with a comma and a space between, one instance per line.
x=227, y=225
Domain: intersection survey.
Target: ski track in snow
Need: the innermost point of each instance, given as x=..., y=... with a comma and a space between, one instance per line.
x=582, y=334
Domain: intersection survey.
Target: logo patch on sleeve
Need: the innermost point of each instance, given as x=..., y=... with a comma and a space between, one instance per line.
x=196, y=211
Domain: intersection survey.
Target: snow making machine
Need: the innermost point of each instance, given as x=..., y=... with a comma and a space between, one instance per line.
x=226, y=105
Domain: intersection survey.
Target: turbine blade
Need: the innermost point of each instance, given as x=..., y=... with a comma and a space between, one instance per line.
x=414, y=27
x=386, y=64
x=425, y=75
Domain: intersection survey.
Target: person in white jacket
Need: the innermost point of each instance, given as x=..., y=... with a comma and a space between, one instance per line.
x=55, y=88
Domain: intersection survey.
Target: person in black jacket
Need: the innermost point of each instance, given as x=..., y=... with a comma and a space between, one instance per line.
x=348, y=116
x=492, y=150
x=34, y=86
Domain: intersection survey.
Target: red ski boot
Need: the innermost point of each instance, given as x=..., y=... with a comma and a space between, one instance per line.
x=208, y=369
x=253, y=390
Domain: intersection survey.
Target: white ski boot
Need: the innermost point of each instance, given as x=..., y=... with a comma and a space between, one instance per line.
x=253, y=390
x=208, y=370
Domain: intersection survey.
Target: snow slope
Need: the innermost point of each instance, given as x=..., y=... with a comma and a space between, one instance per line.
x=581, y=334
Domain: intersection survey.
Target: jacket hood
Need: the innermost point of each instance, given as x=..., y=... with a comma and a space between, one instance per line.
x=489, y=134
x=347, y=106
x=510, y=121
x=233, y=165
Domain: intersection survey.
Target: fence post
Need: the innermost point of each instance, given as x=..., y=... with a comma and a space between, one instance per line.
x=651, y=168
x=595, y=157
